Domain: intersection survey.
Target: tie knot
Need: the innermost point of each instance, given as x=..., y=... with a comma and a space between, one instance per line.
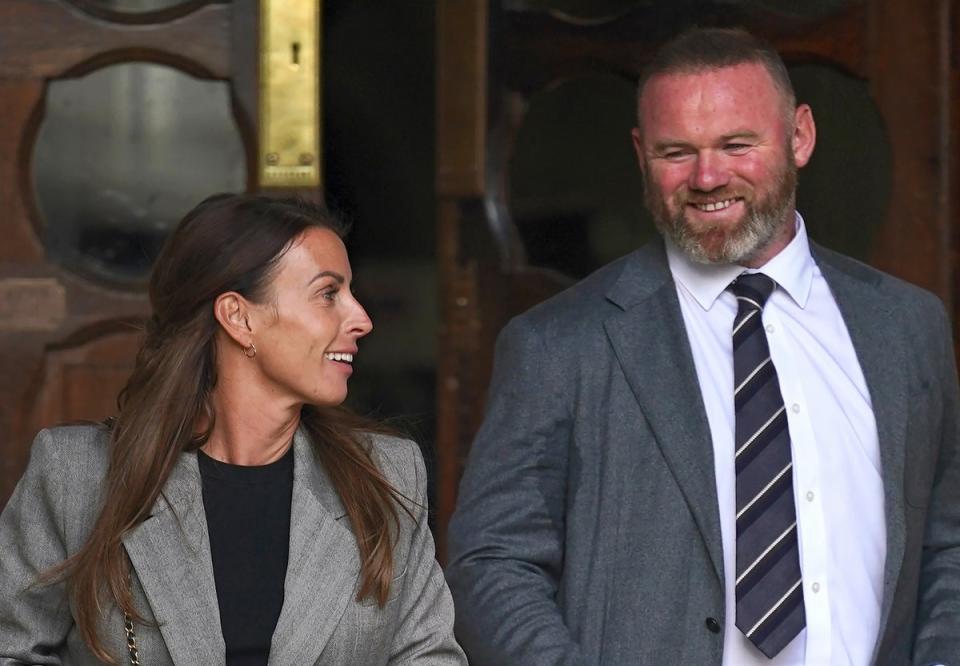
x=753, y=289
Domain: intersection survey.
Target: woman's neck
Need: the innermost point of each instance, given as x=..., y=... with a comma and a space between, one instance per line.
x=250, y=430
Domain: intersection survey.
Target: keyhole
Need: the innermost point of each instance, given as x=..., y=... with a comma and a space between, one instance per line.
x=295, y=54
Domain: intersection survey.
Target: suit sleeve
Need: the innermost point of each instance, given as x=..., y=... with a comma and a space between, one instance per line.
x=425, y=631
x=937, y=635
x=506, y=538
x=34, y=619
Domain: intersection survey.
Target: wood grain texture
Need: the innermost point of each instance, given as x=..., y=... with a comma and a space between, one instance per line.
x=461, y=96
x=41, y=39
x=245, y=79
x=90, y=346
x=910, y=83
x=20, y=109
x=175, y=11
x=538, y=49
x=51, y=381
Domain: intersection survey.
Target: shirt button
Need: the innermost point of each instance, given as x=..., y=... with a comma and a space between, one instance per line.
x=770, y=328
x=809, y=495
x=815, y=587
x=795, y=408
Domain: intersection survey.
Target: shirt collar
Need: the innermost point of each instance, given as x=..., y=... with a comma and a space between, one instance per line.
x=792, y=268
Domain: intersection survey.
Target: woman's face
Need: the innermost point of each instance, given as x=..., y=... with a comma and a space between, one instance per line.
x=307, y=327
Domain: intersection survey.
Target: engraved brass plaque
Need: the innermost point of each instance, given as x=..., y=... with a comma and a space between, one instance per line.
x=32, y=304
x=289, y=93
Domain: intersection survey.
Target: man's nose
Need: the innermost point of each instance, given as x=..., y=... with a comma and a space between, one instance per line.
x=709, y=172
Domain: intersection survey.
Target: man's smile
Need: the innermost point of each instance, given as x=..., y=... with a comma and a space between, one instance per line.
x=713, y=206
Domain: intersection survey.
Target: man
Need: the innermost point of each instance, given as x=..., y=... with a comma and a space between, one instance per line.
x=729, y=447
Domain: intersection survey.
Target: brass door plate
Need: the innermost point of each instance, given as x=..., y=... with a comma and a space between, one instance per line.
x=289, y=93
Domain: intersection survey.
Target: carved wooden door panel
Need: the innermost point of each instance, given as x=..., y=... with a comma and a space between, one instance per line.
x=116, y=117
x=497, y=58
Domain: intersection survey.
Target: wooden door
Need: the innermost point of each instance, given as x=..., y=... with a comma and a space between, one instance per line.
x=72, y=273
x=495, y=56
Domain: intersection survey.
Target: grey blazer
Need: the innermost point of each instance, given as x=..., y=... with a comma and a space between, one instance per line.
x=587, y=529
x=52, y=510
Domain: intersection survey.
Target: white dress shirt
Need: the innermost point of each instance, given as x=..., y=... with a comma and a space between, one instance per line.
x=837, y=483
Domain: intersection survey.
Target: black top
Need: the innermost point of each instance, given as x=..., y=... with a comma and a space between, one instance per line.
x=248, y=517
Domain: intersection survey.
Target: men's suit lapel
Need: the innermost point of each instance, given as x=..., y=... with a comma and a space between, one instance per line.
x=883, y=359
x=170, y=552
x=322, y=567
x=650, y=342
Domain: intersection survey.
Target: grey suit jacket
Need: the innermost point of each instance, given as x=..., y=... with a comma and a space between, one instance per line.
x=587, y=529
x=52, y=510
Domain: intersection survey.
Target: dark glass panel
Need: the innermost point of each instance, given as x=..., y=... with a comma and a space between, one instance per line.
x=121, y=155
x=802, y=8
x=576, y=194
x=582, y=9
x=608, y=9
x=575, y=190
x=843, y=192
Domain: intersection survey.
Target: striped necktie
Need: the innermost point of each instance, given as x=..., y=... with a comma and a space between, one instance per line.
x=769, y=589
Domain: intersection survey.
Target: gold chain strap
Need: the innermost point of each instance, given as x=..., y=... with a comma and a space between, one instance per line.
x=131, y=641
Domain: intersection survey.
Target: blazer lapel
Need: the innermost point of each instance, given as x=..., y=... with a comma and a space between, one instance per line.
x=883, y=359
x=322, y=567
x=650, y=342
x=170, y=552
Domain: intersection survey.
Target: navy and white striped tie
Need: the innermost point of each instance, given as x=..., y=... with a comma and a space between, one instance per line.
x=769, y=588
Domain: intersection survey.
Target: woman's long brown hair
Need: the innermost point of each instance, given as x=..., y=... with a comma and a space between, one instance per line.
x=227, y=243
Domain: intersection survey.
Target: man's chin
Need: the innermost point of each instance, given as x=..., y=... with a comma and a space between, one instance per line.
x=712, y=246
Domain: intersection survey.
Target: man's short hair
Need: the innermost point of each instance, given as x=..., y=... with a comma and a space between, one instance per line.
x=699, y=49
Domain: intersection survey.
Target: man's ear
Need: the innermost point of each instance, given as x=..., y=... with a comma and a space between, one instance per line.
x=232, y=312
x=638, y=147
x=804, y=135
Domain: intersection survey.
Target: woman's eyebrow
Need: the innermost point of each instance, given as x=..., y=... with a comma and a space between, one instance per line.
x=336, y=276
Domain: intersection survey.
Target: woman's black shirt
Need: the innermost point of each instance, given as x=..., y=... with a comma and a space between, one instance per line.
x=248, y=518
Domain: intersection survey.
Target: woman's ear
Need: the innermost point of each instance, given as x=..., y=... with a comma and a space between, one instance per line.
x=232, y=312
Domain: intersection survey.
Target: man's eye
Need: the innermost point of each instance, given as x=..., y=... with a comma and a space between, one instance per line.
x=737, y=147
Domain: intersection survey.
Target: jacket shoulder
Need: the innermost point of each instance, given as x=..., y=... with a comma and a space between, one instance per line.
x=84, y=435
x=401, y=462
x=580, y=310
x=899, y=293
x=64, y=476
x=586, y=295
x=77, y=451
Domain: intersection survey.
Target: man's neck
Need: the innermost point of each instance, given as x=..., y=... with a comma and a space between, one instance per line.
x=776, y=245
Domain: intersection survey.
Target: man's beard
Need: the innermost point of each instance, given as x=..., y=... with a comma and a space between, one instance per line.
x=727, y=243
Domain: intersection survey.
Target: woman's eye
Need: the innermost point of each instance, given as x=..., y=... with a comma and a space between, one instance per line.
x=329, y=294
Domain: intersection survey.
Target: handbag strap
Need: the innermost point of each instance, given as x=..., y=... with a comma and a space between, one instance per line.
x=131, y=640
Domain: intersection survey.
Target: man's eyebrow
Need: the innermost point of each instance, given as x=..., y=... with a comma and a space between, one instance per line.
x=742, y=134
x=322, y=274
x=669, y=144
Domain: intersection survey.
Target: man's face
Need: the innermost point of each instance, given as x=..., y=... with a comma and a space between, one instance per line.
x=719, y=151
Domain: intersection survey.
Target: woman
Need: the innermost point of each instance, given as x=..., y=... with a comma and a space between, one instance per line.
x=231, y=511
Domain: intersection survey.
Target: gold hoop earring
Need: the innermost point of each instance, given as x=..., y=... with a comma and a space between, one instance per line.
x=250, y=351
